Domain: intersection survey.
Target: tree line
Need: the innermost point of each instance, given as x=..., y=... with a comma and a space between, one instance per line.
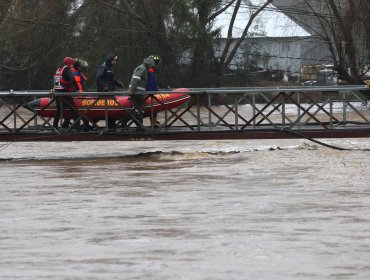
x=36, y=35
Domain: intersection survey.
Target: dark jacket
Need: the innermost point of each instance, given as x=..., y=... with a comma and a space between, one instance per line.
x=105, y=80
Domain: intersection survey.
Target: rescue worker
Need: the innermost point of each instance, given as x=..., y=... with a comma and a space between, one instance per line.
x=137, y=89
x=80, y=77
x=105, y=80
x=80, y=84
x=64, y=81
x=152, y=85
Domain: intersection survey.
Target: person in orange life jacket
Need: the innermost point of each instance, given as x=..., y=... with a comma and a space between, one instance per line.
x=152, y=85
x=80, y=84
x=79, y=76
x=105, y=80
x=64, y=81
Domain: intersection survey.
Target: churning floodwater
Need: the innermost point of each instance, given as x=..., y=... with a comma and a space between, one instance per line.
x=252, y=209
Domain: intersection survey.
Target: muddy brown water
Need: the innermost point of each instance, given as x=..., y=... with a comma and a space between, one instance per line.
x=256, y=209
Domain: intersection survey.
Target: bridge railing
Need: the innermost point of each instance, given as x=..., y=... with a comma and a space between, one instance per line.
x=290, y=107
x=208, y=109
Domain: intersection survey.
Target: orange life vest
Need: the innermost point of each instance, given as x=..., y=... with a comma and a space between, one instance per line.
x=77, y=78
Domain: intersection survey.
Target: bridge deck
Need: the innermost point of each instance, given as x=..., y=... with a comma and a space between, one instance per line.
x=233, y=113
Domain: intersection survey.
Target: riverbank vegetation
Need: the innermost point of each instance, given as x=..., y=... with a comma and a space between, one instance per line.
x=36, y=35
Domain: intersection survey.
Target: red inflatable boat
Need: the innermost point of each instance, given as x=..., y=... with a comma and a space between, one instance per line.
x=117, y=108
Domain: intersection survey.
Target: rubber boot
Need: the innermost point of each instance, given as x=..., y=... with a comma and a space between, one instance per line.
x=154, y=121
x=76, y=125
x=66, y=123
x=138, y=120
x=112, y=123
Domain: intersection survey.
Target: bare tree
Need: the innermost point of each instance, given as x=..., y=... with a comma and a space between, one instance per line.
x=342, y=25
x=36, y=35
x=229, y=52
x=148, y=33
x=176, y=27
x=32, y=35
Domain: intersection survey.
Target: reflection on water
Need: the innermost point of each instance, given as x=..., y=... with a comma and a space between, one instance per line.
x=260, y=209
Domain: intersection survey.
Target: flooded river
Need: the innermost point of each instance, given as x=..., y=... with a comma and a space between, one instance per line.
x=253, y=209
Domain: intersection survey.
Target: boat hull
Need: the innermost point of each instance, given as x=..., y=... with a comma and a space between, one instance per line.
x=115, y=108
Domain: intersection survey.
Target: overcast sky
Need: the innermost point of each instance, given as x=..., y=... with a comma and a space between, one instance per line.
x=274, y=23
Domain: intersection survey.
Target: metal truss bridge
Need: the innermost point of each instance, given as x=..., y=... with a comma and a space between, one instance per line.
x=210, y=113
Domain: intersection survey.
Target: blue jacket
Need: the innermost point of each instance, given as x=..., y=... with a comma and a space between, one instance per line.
x=152, y=80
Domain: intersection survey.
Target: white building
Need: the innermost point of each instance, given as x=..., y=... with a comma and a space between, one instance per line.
x=285, y=45
x=285, y=54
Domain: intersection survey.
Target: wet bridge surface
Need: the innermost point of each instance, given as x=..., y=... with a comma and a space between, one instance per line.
x=209, y=113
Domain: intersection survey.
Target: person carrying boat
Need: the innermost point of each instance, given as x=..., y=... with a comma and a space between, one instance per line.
x=80, y=84
x=152, y=85
x=137, y=90
x=105, y=80
x=79, y=76
x=64, y=81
